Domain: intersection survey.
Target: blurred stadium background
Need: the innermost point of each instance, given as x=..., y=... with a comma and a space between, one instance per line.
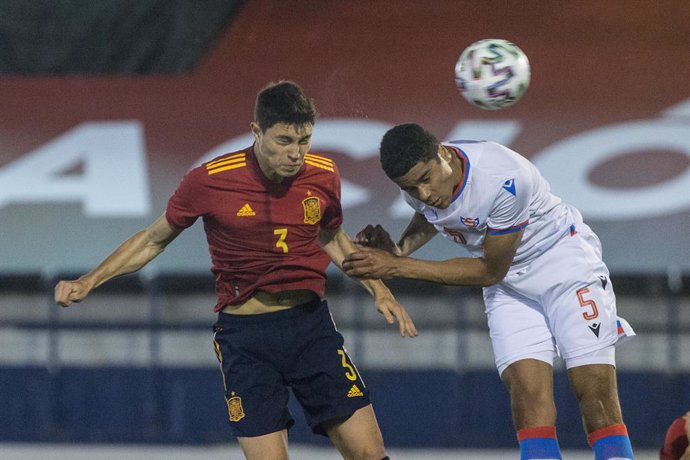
x=106, y=104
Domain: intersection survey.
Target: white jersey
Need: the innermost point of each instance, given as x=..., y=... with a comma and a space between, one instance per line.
x=500, y=192
x=557, y=298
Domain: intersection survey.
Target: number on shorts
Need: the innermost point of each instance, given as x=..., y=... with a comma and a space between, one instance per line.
x=350, y=374
x=587, y=303
x=282, y=234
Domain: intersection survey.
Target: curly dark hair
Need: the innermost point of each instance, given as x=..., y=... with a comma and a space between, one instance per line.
x=283, y=102
x=403, y=146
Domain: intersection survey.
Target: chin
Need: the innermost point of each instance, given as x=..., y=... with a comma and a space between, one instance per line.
x=444, y=204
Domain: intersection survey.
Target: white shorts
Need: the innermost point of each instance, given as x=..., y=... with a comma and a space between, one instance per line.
x=561, y=304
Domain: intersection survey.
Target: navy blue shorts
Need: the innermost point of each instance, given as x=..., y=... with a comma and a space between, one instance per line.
x=262, y=355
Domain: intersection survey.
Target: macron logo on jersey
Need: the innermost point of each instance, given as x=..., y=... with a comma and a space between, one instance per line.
x=509, y=186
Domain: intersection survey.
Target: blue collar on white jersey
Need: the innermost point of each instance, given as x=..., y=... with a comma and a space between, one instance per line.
x=466, y=171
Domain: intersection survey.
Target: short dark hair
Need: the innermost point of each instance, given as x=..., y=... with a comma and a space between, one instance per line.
x=283, y=102
x=403, y=146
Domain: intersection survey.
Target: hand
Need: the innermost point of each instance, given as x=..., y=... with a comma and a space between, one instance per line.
x=686, y=417
x=376, y=237
x=370, y=263
x=392, y=310
x=68, y=292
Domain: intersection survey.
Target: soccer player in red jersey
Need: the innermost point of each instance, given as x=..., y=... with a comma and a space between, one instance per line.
x=676, y=443
x=272, y=218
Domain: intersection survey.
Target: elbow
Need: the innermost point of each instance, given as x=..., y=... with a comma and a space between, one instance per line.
x=489, y=281
x=492, y=277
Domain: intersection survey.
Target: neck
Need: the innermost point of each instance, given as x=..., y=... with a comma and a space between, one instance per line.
x=457, y=165
x=269, y=173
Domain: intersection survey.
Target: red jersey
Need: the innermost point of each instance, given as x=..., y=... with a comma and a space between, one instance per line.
x=262, y=236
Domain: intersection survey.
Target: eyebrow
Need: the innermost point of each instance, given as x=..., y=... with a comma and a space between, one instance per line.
x=287, y=137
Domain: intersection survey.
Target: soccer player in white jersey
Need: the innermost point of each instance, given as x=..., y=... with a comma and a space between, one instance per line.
x=546, y=289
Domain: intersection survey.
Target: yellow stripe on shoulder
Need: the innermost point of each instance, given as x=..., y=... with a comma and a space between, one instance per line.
x=318, y=158
x=214, y=163
x=319, y=165
x=226, y=168
x=319, y=162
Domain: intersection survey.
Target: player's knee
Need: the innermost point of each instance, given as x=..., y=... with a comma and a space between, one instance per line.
x=530, y=392
x=599, y=411
x=370, y=452
x=376, y=453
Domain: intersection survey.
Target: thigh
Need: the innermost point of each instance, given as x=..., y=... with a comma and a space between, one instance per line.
x=358, y=436
x=324, y=378
x=518, y=328
x=255, y=394
x=272, y=445
x=571, y=283
x=579, y=303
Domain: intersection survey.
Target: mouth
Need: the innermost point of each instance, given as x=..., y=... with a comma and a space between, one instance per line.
x=439, y=203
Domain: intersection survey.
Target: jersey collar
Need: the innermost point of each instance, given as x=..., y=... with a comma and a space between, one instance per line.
x=465, y=171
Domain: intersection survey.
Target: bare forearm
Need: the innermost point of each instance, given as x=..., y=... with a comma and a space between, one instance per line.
x=410, y=243
x=338, y=246
x=416, y=235
x=129, y=257
x=460, y=271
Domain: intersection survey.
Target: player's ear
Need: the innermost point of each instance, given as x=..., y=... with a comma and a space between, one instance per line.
x=256, y=129
x=443, y=153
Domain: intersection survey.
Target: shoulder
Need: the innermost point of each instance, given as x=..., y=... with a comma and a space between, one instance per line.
x=321, y=169
x=320, y=164
x=494, y=162
x=224, y=163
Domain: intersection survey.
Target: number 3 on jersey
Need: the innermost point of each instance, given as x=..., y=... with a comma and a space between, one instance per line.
x=282, y=234
x=350, y=371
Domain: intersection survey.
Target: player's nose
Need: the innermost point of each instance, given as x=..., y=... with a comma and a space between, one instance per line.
x=423, y=193
x=294, y=153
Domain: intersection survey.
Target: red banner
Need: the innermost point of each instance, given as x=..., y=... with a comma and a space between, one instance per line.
x=606, y=118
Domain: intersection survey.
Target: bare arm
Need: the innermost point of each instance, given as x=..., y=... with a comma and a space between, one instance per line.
x=489, y=269
x=416, y=235
x=337, y=244
x=130, y=256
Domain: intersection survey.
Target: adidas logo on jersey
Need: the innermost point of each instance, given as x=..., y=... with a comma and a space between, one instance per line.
x=246, y=211
x=354, y=392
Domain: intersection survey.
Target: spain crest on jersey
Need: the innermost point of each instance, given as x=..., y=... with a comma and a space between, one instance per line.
x=235, y=410
x=312, y=210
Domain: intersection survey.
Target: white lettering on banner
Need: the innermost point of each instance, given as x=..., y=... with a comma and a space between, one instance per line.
x=568, y=163
x=359, y=139
x=113, y=181
x=113, y=178
x=501, y=131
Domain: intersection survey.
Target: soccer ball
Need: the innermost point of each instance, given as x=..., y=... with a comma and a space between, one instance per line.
x=492, y=74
